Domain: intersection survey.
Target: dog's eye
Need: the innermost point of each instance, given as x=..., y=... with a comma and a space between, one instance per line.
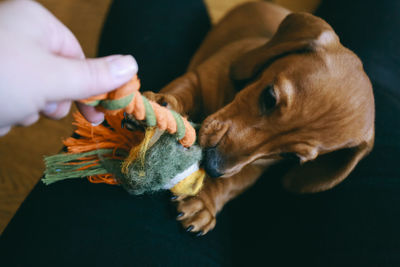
x=267, y=99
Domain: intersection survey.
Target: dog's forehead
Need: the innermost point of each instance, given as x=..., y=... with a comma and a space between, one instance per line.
x=319, y=72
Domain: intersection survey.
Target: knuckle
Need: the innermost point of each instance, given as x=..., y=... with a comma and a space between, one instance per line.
x=204, y=217
x=195, y=204
x=188, y=207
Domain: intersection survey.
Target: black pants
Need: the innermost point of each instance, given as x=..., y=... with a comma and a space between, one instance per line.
x=357, y=223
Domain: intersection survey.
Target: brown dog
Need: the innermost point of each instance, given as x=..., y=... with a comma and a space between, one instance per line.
x=272, y=84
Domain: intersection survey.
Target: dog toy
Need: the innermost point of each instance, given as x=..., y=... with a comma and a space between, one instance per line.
x=164, y=156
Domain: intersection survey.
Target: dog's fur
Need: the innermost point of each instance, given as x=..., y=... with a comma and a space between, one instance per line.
x=271, y=84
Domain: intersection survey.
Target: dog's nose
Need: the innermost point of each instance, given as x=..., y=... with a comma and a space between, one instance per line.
x=212, y=162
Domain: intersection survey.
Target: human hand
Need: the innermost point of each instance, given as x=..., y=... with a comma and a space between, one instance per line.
x=43, y=67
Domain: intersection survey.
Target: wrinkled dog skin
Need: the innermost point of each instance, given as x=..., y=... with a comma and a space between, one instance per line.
x=271, y=84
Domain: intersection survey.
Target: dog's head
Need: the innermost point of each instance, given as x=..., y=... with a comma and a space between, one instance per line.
x=304, y=95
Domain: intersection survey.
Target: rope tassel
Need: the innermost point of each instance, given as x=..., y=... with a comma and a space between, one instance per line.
x=65, y=166
x=97, y=154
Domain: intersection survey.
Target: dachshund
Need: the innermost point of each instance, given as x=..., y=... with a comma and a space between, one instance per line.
x=269, y=85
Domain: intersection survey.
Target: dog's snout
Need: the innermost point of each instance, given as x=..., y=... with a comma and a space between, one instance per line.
x=212, y=162
x=212, y=131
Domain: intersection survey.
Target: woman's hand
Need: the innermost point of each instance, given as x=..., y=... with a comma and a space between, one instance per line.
x=43, y=67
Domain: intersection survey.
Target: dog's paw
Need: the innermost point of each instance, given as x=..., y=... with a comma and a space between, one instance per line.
x=165, y=100
x=197, y=214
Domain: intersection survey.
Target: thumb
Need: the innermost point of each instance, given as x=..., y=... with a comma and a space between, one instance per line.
x=78, y=79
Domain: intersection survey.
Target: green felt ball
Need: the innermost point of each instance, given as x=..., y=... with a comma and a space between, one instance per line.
x=163, y=161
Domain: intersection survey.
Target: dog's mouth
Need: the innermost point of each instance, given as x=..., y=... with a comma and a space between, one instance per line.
x=217, y=164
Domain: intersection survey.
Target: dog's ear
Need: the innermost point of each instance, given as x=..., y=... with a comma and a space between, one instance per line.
x=326, y=170
x=298, y=32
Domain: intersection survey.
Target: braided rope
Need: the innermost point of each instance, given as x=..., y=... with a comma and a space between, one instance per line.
x=129, y=99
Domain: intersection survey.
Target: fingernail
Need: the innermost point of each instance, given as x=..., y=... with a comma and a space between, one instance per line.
x=180, y=215
x=97, y=123
x=190, y=228
x=122, y=67
x=50, y=108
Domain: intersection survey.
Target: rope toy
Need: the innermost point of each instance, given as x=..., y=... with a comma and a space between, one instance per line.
x=129, y=99
x=141, y=162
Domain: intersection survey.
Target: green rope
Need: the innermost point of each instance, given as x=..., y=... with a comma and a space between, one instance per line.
x=59, y=167
x=117, y=103
x=150, y=115
x=93, y=103
x=180, y=126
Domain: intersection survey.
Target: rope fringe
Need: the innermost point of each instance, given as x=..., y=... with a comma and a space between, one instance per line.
x=97, y=154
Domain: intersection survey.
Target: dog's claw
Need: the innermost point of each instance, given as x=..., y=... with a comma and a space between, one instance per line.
x=174, y=197
x=123, y=121
x=198, y=213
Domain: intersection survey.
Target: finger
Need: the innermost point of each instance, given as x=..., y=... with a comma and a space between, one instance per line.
x=90, y=113
x=4, y=130
x=79, y=79
x=58, y=110
x=31, y=119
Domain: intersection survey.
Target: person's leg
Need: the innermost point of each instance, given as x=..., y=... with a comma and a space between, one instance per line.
x=357, y=222
x=77, y=223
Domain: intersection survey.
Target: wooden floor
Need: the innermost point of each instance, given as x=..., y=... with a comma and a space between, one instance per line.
x=22, y=150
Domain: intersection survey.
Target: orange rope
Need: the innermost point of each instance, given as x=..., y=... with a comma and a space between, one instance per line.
x=103, y=178
x=165, y=120
x=93, y=138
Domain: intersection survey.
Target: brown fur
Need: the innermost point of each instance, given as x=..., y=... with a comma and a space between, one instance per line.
x=324, y=113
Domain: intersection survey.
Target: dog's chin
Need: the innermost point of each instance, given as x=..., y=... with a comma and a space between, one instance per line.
x=232, y=171
x=263, y=162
